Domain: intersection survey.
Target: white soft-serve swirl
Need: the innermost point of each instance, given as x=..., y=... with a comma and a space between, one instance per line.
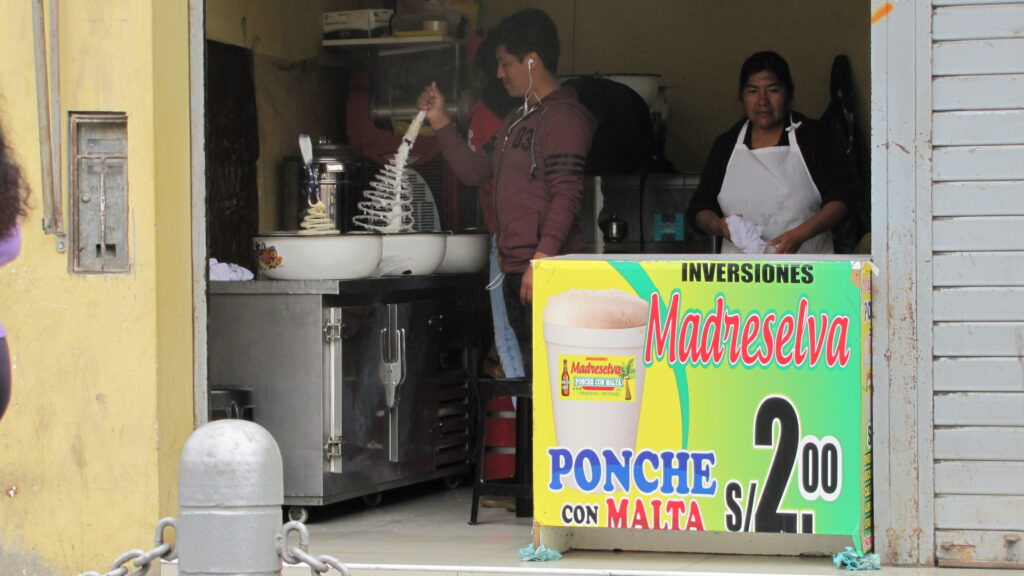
x=316, y=221
x=387, y=206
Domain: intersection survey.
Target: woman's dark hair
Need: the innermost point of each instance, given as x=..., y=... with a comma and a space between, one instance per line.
x=768, y=61
x=528, y=31
x=13, y=189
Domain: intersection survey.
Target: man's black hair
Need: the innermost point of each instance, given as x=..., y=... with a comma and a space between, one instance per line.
x=528, y=31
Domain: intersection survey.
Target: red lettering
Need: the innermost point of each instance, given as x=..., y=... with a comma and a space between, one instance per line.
x=578, y=368
x=656, y=515
x=664, y=514
x=817, y=338
x=711, y=346
x=639, y=515
x=838, y=351
x=799, y=354
x=732, y=323
x=785, y=333
x=676, y=509
x=661, y=336
x=695, y=521
x=768, y=338
x=750, y=329
x=723, y=334
x=689, y=335
x=617, y=515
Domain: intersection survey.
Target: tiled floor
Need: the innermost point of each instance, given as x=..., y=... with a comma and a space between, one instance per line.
x=424, y=530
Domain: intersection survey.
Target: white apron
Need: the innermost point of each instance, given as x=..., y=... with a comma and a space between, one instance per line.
x=772, y=187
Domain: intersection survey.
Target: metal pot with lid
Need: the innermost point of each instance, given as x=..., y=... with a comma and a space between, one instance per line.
x=339, y=170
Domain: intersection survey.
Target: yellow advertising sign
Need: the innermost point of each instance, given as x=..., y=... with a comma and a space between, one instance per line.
x=706, y=395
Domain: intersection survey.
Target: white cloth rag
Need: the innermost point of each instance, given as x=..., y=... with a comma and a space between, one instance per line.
x=223, y=271
x=746, y=235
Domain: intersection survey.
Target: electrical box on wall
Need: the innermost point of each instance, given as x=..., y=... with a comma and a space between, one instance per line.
x=99, y=192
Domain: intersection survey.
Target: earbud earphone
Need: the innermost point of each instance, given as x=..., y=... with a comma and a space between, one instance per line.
x=529, y=89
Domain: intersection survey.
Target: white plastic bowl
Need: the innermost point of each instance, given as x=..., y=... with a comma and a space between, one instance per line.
x=464, y=253
x=334, y=257
x=411, y=254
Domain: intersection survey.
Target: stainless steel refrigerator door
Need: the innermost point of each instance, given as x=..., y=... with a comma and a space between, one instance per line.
x=272, y=344
x=356, y=426
x=409, y=339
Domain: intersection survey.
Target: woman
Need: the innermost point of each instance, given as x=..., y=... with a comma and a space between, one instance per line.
x=778, y=171
x=13, y=198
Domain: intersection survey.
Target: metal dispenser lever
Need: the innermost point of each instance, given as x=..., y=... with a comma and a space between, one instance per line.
x=392, y=374
x=392, y=357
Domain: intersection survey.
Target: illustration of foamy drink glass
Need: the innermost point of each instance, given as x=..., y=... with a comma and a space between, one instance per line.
x=595, y=342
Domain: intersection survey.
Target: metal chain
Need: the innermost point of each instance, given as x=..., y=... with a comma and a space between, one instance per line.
x=300, y=555
x=166, y=551
x=143, y=560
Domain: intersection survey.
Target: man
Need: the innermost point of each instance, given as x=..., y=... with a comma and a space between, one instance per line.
x=535, y=161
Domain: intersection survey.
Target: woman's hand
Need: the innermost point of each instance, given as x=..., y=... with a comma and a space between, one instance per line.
x=431, y=101
x=791, y=240
x=710, y=223
x=723, y=226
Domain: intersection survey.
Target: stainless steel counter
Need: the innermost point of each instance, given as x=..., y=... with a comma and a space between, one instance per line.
x=362, y=383
x=358, y=287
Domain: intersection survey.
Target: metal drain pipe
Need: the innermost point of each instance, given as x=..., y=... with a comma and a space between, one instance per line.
x=48, y=107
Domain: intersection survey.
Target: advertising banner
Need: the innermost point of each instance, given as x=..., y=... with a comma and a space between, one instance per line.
x=728, y=396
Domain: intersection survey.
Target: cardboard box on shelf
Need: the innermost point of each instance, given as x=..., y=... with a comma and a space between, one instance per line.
x=350, y=24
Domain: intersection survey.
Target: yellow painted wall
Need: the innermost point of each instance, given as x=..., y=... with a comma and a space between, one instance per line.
x=173, y=202
x=102, y=371
x=288, y=30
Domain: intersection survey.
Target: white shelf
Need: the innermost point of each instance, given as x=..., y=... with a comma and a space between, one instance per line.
x=389, y=41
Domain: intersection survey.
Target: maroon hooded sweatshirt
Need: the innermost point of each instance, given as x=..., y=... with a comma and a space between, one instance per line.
x=536, y=163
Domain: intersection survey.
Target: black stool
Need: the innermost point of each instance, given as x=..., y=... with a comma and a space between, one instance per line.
x=519, y=486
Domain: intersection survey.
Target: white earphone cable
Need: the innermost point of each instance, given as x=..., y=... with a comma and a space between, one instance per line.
x=529, y=89
x=495, y=282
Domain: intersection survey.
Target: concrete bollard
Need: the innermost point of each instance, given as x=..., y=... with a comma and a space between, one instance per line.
x=230, y=494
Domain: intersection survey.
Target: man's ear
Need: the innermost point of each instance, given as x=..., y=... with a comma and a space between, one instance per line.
x=532, y=60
